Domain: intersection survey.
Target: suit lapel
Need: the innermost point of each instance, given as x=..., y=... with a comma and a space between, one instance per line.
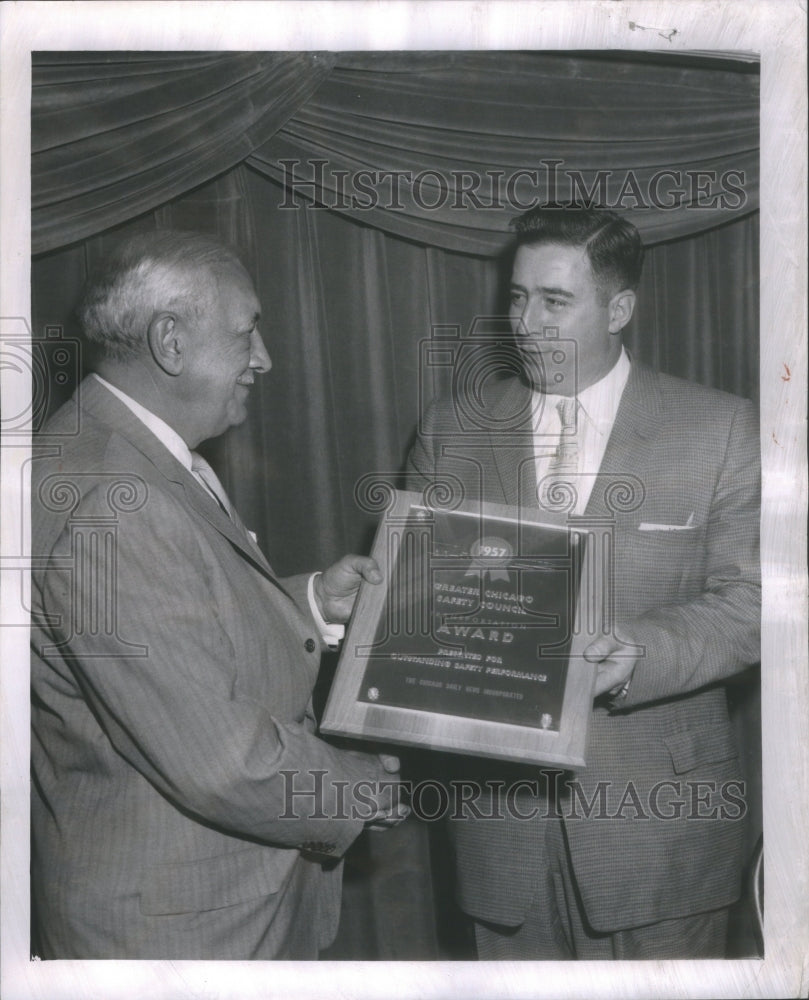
x=233, y=529
x=637, y=423
x=102, y=404
x=636, y=426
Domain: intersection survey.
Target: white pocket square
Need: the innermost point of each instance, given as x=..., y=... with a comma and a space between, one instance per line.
x=651, y=526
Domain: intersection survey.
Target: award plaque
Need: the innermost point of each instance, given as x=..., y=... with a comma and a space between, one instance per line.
x=474, y=643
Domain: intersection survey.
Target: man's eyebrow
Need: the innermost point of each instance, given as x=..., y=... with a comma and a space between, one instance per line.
x=252, y=323
x=546, y=290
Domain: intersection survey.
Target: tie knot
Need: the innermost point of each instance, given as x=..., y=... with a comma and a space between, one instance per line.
x=198, y=463
x=209, y=479
x=566, y=409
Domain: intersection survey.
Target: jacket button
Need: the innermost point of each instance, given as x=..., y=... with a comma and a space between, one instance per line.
x=310, y=645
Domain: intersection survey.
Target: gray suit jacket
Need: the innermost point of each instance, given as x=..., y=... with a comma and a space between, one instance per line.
x=171, y=678
x=686, y=455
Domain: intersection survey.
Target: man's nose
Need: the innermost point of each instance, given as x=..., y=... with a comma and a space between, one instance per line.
x=259, y=357
x=521, y=321
x=535, y=322
x=532, y=319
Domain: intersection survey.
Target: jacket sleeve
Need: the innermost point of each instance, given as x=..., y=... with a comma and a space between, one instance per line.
x=421, y=465
x=705, y=640
x=163, y=686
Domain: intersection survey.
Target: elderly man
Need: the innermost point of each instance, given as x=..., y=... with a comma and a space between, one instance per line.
x=638, y=856
x=182, y=805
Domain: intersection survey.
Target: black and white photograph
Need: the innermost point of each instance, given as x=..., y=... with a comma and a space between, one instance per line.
x=381, y=381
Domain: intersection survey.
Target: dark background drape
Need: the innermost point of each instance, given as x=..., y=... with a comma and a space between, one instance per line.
x=129, y=141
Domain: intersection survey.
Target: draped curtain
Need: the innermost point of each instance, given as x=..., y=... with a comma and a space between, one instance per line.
x=117, y=134
x=127, y=141
x=114, y=135
x=521, y=123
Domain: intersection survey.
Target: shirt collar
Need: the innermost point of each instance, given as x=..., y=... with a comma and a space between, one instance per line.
x=166, y=435
x=599, y=402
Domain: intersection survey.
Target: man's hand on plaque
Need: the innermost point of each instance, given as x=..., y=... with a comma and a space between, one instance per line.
x=336, y=588
x=616, y=656
x=390, y=809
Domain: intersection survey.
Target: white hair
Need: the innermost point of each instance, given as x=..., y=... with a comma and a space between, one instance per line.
x=162, y=271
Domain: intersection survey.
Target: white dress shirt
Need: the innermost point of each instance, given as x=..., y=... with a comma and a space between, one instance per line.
x=171, y=440
x=598, y=406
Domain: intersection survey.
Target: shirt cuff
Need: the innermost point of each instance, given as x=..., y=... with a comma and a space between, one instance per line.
x=332, y=635
x=618, y=697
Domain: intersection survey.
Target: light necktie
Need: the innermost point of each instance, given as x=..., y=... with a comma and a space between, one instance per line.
x=564, y=464
x=204, y=474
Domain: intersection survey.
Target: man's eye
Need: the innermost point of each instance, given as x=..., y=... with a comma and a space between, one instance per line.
x=516, y=298
x=552, y=303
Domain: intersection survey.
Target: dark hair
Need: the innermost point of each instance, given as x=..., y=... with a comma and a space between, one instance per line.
x=149, y=272
x=612, y=244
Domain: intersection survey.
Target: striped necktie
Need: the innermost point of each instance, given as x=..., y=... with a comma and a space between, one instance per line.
x=204, y=474
x=564, y=464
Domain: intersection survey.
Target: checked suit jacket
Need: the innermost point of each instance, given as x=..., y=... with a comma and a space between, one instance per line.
x=691, y=599
x=171, y=676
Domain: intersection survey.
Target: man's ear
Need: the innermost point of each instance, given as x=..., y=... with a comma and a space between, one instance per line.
x=166, y=343
x=621, y=308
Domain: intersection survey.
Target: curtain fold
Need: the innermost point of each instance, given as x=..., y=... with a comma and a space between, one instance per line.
x=434, y=147
x=115, y=135
x=697, y=309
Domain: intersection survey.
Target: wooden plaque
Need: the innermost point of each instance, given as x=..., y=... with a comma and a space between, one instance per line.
x=474, y=643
